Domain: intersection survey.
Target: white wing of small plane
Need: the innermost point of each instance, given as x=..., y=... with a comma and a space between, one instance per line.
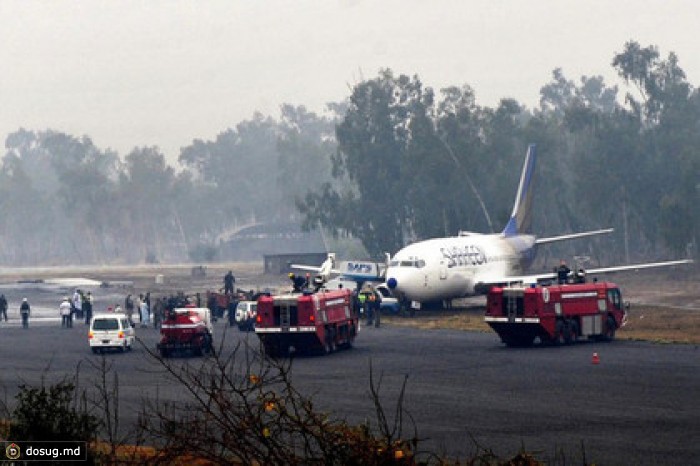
x=310, y=268
x=324, y=271
x=535, y=278
x=354, y=270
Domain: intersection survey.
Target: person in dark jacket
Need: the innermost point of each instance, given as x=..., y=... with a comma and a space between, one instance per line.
x=229, y=280
x=3, y=307
x=563, y=272
x=87, y=307
x=24, y=311
x=298, y=283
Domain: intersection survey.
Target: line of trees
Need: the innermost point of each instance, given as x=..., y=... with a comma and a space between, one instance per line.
x=396, y=162
x=425, y=165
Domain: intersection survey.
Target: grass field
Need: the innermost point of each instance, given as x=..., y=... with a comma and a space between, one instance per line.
x=644, y=322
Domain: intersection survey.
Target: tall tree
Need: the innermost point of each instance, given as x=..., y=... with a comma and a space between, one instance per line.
x=373, y=153
x=669, y=114
x=146, y=193
x=305, y=144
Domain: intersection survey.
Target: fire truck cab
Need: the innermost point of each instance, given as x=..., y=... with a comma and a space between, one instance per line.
x=559, y=314
x=306, y=322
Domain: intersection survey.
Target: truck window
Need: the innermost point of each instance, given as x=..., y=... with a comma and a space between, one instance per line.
x=615, y=298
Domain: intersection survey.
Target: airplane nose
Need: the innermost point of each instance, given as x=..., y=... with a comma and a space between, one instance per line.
x=392, y=283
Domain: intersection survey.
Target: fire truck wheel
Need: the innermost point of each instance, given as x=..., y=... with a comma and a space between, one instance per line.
x=330, y=345
x=610, y=329
x=520, y=341
x=164, y=353
x=560, y=335
x=350, y=333
x=573, y=331
x=272, y=349
x=208, y=345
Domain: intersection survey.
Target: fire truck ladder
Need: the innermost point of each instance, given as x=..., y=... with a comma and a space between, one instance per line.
x=284, y=316
x=513, y=305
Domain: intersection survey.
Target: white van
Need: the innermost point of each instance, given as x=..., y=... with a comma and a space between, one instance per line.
x=110, y=331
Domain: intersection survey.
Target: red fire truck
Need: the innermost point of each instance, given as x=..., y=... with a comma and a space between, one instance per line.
x=186, y=329
x=304, y=322
x=558, y=314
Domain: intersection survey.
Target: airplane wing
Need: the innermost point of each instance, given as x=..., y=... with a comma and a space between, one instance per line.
x=552, y=239
x=620, y=268
x=536, y=278
x=311, y=268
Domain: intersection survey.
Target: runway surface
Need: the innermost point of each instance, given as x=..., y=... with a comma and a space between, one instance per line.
x=639, y=405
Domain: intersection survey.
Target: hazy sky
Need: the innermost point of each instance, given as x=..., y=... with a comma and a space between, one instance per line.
x=135, y=73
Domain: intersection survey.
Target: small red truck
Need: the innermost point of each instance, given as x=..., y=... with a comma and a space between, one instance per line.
x=186, y=329
x=306, y=322
x=559, y=314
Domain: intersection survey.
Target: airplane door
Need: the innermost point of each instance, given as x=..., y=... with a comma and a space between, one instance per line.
x=443, y=270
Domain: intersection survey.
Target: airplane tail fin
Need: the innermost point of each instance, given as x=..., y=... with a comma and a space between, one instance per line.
x=521, y=218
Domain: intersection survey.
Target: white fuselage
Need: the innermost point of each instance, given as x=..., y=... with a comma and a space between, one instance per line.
x=452, y=267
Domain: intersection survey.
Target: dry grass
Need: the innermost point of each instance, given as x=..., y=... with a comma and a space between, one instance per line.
x=471, y=318
x=662, y=324
x=644, y=322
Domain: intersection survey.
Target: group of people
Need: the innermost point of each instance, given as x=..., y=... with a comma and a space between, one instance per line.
x=563, y=274
x=24, y=310
x=140, y=304
x=79, y=305
x=369, y=302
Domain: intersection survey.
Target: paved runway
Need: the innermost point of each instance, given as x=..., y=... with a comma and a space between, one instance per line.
x=640, y=405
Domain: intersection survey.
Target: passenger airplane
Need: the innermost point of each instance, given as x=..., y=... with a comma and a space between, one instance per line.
x=441, y=269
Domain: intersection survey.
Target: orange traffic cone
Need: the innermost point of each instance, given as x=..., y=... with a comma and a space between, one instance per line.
x=596, y=359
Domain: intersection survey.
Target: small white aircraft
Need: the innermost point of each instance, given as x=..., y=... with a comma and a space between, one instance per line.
x=441, y=269
x=351, y=271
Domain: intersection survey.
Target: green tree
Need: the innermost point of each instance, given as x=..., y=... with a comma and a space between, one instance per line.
x=241, y=166
x=146, y=195
x=668, y=111
x=373, y=153
x=305, y=144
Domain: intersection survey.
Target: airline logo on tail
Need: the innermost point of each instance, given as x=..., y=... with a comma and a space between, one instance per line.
x=521, y=218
